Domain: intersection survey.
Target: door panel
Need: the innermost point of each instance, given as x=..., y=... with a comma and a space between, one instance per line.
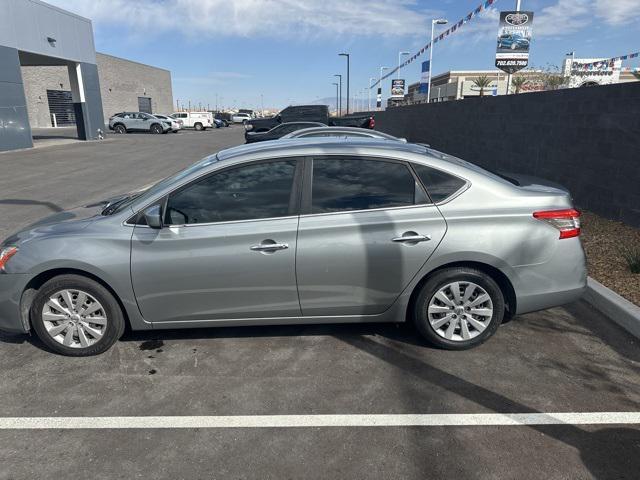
x=349, y=264
x=210, y=272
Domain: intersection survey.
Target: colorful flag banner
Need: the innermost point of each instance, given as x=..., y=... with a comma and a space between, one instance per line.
x=456, y=26
x=609, y=61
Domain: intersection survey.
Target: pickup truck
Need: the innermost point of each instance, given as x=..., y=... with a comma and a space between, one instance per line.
x=308, y=113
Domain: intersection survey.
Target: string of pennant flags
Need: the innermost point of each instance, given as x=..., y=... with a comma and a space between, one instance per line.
x=455, y=27
x=607, y=62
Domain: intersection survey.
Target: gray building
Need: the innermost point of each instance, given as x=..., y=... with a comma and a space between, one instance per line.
x=49, y=72
x=124, y=86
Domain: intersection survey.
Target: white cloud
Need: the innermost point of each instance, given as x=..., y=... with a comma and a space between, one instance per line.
x=270, y=18
x=569, y=16
x=618, y=12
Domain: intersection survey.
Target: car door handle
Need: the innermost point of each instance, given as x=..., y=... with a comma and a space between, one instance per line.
x=411, y=238
x=269, y=247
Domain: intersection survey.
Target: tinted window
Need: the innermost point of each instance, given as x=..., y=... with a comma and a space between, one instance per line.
x=440, y=185
x=255, y=191
x=360, y=184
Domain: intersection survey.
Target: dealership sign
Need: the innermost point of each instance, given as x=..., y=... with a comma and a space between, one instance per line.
x=514, y=40
x=397, y=88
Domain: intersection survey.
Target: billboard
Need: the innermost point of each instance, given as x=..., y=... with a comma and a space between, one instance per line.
x=514, y=40
x=424, y=78
x=397, y=88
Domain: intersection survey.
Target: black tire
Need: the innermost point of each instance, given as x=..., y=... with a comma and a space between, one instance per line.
x=119, y=128
x=443, y=278
x=198, y=126
x=115, y=319
x=156, y=129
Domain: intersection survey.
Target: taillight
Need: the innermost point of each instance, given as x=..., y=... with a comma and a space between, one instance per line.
x=5, y=255
x=372, y=123
x=566, y=221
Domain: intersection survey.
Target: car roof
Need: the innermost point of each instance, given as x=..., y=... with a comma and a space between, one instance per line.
x=330, y=129
x=307, y=146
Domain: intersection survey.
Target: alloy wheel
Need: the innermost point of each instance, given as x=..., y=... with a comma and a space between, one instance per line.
x=74, y=318
x=460, y=311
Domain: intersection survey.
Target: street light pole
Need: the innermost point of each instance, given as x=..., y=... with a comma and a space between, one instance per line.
x=336, y=84
x=380, y=85
x=518, y=4
x=438, y=21
x=348, y=61
x=340, y=98
x=371, y=80
x=400, y=54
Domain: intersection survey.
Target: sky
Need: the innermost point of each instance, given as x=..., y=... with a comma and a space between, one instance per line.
x=272, y=53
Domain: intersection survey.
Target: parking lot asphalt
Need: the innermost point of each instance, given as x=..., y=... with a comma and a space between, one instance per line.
x=569, y=359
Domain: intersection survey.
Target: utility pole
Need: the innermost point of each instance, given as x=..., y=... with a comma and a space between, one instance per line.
x=371, y=80
x=336, y=84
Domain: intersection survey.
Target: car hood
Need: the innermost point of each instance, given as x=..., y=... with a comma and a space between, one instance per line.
x=63, y=222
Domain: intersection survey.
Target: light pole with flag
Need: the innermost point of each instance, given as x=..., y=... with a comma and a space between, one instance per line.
x=438, y=21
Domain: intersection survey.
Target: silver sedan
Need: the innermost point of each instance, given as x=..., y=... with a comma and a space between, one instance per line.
x=298, y=232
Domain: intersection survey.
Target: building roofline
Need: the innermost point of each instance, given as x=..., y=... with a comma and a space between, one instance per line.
x=61, y=10
x=133, y=61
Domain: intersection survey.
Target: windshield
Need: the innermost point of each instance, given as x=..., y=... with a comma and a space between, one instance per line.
x=122, y=203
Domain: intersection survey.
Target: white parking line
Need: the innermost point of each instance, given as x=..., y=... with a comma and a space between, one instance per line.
x=296, y=421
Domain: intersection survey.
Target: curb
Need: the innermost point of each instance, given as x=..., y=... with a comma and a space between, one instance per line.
x=618, y=309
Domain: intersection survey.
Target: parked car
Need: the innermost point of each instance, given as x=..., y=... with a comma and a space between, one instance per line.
x=218, y=123
x=309, y=113
x=316, y=132
x=225, y=117
x=240, y=117
x=513, y=42
x=176, y=124
x=279, y=131
x=197, y=120
x=124, y=122
x=318, y=231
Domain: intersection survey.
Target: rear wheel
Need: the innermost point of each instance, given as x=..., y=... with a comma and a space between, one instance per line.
x=459, y=308
x=120, y=129
x=76, y=316
x=198, y=126
x=156, y=129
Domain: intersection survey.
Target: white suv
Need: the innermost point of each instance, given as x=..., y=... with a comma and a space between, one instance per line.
x=240, y=117
x=197, y=120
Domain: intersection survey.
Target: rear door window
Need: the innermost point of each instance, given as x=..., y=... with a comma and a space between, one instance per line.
x=344, y=184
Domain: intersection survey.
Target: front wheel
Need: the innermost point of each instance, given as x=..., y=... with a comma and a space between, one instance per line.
x=76, y=316
x=120, y=129
x=156, y=129
x=459, y=308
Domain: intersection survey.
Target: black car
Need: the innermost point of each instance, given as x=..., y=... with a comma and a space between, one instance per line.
x=224, y=117
x=279, y=131
x=309, y=113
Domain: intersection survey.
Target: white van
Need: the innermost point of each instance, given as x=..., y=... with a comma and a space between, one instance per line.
x=197, y=120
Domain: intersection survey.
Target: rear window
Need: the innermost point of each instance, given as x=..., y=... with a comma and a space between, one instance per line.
x=439, y=185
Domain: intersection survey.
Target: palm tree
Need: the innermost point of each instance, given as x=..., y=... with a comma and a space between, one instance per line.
x=518, y=82
x=482, y=82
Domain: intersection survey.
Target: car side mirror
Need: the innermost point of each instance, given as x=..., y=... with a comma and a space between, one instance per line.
x=153, y=217
x=145, y=118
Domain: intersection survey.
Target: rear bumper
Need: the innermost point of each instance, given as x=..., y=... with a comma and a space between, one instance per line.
x=560, y=280
x=11, y=288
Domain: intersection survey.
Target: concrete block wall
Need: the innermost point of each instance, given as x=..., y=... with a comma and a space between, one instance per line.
x=123, y=81
x=587, y=139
